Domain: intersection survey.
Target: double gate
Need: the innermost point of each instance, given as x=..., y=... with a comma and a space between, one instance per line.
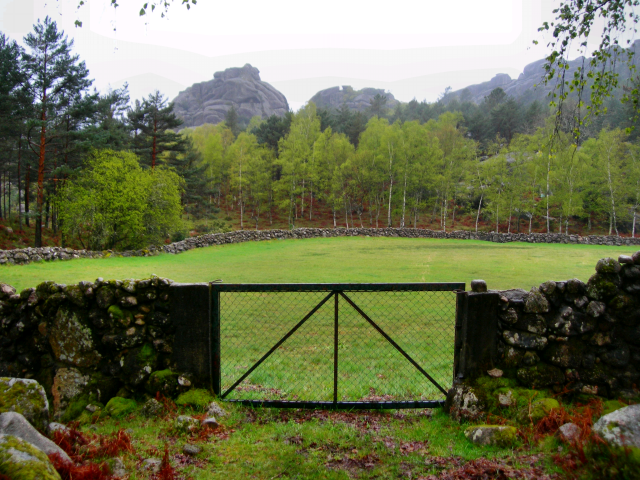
x=334, y=345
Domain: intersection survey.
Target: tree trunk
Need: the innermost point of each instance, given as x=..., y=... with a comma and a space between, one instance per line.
x=153, y=145
x=404, y=198
x=479, y=207
x=19, y=163
x=27, y=182
x=40, y=195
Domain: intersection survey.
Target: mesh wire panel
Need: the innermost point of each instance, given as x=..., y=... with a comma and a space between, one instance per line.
x=370, y=369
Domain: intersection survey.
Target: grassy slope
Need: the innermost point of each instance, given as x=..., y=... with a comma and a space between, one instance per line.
x=369, y=260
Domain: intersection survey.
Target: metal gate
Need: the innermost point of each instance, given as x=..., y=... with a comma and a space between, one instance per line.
x=334, y=345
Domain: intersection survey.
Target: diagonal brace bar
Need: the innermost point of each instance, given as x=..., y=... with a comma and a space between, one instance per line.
x=280, y=342
x=395, y=345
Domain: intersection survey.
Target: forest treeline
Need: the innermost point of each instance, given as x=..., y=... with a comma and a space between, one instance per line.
x=501, y=161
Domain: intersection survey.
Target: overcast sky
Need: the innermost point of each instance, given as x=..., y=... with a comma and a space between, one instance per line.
x=414, y=49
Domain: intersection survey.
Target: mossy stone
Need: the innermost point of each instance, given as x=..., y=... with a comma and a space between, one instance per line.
x=19, y=460
x=26, y=397
x=498, y=435
x=540, y=376
x=118, y=407
x=163, y=381
x=539, y=409
x=197, y=398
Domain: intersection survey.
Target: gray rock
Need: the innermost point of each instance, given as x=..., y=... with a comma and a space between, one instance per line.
x=569, y=432
x=536, y=302
x=14, y=424
x=184, y=423
x=152, y=465
x=19, y=460
x=478, y=286
x=509, y=316
x=620, y=428
x=67, y=385
x=57, y=427
x=191, y=450
x=215, y=410
x=595, y=309
x=152, y=408
x=499, y=435
x=116, y=465
x=636, y=257
x=210, y=422
x=26, y=397
x=528, y=341
x=208, y=102
x=607, y=265
x=625, y=259
x=356, y=100
x=463, y=403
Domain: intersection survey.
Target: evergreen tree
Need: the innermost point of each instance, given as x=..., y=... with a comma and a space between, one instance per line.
x=151, y=121
x=231, y=119
x=56, y=77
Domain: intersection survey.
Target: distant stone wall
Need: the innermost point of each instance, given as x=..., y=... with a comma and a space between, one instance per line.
x=28, y=255
x=574, y=336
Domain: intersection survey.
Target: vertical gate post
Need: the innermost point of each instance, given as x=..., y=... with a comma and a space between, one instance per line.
x=190, y=314
x=216, y=373
x=335, y=351
x=476, y=334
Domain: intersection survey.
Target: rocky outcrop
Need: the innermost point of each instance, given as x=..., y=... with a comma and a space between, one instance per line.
x=528, y=86
x=208, y=102
x=19, y=460
x=357, y=100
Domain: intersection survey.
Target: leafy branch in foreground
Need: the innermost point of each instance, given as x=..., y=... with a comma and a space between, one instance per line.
x=146, y=7
x=574, y=22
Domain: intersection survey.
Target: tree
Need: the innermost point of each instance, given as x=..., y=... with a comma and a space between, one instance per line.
x=231, y=119
x=574, y=22
x=114, y=203
x=145, y=7
x=152, y=121
x=56, y=77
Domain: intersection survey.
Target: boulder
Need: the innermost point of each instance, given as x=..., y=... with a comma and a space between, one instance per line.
x=119, y=407
x=19, y=460
x=241, y=88
x=68, y=386
x=498, y=435
x=185, y=423
x=620, y=428
x=569, y=432
x=26, y=397
x=191, y=450
x=355, y=100
x=71, y=340
x=216, y=410
x=14, y=424
x=463, y=403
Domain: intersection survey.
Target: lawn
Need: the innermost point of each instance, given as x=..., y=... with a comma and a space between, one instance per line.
x=352, y=259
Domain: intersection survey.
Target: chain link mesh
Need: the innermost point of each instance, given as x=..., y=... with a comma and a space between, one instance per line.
x=370, y=369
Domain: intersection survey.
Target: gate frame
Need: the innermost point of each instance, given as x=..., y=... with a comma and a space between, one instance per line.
x=335, y=290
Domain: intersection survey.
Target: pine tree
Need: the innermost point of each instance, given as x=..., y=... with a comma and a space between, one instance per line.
x=56, y=78
x=152, y=121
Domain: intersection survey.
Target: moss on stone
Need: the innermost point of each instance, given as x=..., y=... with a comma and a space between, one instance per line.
x=25, y=397
x=498, y=435
x=540, y=376
x=539, y=409
x=19, y=460
x=147, y=354
x=163, y=381
x=611, y=406
x=118, y=407
x=75, y=407
x=197, y=398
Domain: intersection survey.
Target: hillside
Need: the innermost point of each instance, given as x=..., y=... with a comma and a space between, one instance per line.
x=208, y=102
x=526, y=87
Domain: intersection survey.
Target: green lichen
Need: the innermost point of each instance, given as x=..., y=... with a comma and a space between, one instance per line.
x=163, y=381
x=19, y=460
x=118, y=407
x=197, y=398
x=147, y=354
x=538, y=410
x=26, y=398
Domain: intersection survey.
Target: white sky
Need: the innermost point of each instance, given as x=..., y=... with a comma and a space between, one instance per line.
x=414, y=49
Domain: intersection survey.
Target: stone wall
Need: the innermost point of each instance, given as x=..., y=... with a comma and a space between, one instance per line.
x=27, y=255
x=85, y=343
x=572, y=336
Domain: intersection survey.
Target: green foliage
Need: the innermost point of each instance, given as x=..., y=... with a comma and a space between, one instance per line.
x=119, y=407
x=114, y=203
x=197, y=398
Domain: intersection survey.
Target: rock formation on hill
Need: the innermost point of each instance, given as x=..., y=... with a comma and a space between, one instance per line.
x=528, y=86
x=358, y=100
x=208, y=102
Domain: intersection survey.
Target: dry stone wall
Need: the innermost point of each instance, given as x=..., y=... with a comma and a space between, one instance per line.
x=28, y=255
x=85, y=343
x=575, y=336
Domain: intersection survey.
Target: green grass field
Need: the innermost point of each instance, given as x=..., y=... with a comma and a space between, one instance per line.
x=302, y=368
x=356, y=259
